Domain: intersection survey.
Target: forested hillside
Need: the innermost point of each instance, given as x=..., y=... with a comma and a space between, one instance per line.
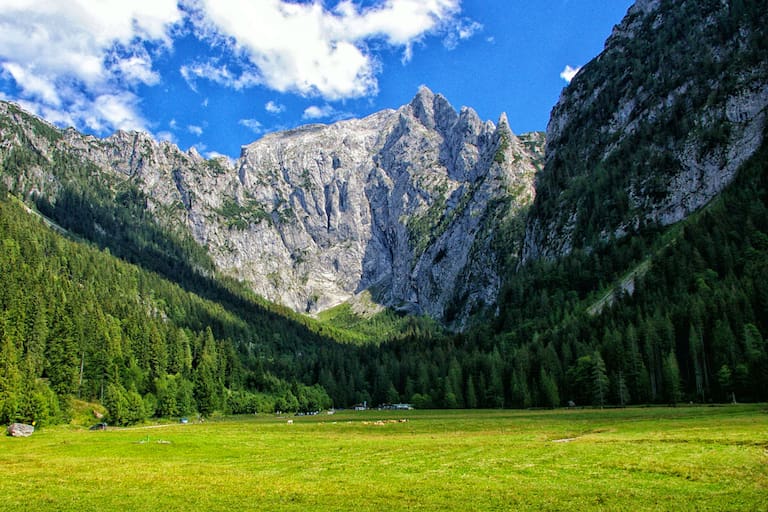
x=78, y=322
x=642, y=278
x=654, y=127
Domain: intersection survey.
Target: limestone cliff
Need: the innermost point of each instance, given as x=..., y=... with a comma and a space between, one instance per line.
x=405, y=204
x=654, y=127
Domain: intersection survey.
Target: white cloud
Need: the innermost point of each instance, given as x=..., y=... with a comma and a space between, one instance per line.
x=317, y=112
x=32, y=85
x=138, y=69
x=324, y=112
x=82, y=63
x=167, y=137
x=78, y=62
x=200, y=148
x=310, y=50
x=274, y=108
x=115, y=110
x=211, y=155
x=195, y=130
x=217, y=73
x=462, y=31
x=252, y=124
x=568, y=73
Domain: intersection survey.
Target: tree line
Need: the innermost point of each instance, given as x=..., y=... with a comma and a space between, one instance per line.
x=79, y=322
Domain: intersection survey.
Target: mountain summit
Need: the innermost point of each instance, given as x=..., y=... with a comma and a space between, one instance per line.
x=402, y=205
x=654, y=127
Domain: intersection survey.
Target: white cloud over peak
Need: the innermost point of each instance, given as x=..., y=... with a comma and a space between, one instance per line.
x=166, y=136
x=463, y=30
x=318, y=112
x=217, y=73
x=77, y=62
x=326, y=111
x=274, y=108
x=568, y=73
x=307, y=49
x=84, y=63
x=252, y=124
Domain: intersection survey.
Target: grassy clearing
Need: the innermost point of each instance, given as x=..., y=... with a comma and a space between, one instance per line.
x=697, y=458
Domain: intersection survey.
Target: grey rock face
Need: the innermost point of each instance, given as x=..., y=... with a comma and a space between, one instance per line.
x=402, y=205
x=391, y=203
x=696, y=125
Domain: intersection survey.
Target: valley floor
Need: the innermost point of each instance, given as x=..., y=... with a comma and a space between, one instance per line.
x=684, y=458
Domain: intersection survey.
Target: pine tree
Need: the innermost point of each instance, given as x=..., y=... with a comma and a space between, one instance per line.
x=672, y=384
x=549, y=389
x=622, y=392
x=696, y=350
x=62, y=358
x=725, y=379
x=599, y=380
x=10, y=380
x=206, y=377
x=471, y=394
x=521, y=394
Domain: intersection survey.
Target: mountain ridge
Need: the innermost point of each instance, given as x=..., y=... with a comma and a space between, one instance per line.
x=683, y=81
x=430, y=208
x=312, y=216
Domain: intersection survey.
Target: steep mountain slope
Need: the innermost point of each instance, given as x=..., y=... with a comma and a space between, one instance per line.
x=654, y=127
x=402, y=204
x=394, y=203
x=424, y=209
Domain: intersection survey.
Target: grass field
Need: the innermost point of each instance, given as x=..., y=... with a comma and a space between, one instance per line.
x=685, y=458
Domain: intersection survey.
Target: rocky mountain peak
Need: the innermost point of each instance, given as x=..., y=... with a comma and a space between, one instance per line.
x=434, y=111
x=399, y=205
x=394, y=204
x=655, y=126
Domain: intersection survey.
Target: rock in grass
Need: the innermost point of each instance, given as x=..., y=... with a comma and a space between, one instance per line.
x=20, y=430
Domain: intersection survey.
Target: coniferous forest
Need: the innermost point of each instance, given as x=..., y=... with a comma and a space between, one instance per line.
x=100, y=303
x=79, y=322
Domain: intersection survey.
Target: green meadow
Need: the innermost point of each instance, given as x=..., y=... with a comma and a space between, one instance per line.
x=684, y=458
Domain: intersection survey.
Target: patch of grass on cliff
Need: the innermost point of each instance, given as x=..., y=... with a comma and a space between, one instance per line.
x=697, y=458
x=385, y=325
x=240, y=217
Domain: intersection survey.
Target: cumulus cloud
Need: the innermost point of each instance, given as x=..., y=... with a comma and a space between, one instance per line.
x=195, y=130
x=318, y=112
x=166, y=136
x=217, y=73
x=77, y=62
x=463, y=30
x=84, y=63
x=32, y=85
x=138, y=70
x=326, y=111
x=252, y=124
x=568, y=73
x=274, y=108
x=313, y=51
x=215, y=155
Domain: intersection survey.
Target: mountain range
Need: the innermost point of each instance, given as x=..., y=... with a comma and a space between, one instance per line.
x=362, y=210
x=534, y=252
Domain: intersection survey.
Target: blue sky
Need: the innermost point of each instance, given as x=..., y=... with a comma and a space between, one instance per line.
x=218, y=74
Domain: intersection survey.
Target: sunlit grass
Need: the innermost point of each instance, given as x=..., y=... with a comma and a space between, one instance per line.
x=696, y=458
